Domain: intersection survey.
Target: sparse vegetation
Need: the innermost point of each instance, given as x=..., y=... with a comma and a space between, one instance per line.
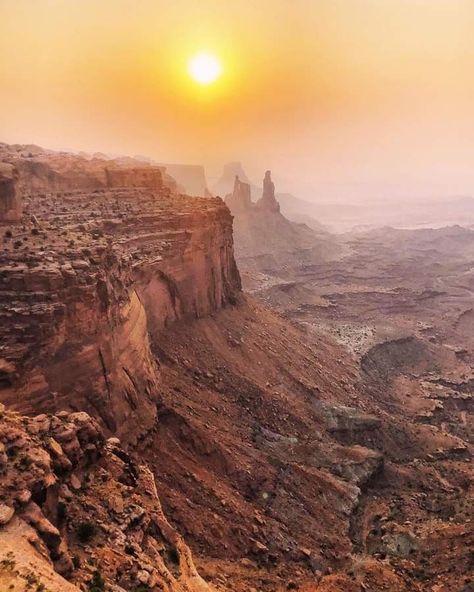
x=86, y=531
x=97, y=584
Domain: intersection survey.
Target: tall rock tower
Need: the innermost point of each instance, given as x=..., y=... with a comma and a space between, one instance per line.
x=10, y=202
x=268, y=200
x=240, y=198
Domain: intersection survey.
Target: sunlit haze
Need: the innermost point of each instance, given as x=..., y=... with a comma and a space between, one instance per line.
x=342, y=99
x=204, y=68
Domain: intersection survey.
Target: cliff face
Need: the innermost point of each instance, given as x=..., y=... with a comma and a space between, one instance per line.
x=86, y=279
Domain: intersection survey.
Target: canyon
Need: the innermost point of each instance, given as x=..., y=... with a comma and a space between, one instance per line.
x=161, y=429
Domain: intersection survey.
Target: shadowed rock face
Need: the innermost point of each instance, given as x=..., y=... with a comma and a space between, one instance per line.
x=10, y=202
x=268, y=200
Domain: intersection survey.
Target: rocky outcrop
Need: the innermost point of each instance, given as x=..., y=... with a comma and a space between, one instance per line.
x=294, y=208
x=268, y=201
x=10, y=201
x=77, y=506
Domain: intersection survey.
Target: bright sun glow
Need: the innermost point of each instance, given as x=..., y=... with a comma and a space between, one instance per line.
x=204, y=68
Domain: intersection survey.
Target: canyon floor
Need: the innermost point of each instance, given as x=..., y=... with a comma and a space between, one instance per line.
x=400, y=303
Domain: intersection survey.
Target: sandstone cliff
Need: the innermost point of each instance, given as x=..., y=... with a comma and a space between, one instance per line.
x=85, y=279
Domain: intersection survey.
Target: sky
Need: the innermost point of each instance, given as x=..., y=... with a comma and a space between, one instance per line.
x=344, y=100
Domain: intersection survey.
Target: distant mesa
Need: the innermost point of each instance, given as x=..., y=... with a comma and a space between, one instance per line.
x=150, y=177
x=191, y=178
x=10, y=200
x=226, y=180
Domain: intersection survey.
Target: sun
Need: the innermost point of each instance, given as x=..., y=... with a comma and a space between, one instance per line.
x=204, y=68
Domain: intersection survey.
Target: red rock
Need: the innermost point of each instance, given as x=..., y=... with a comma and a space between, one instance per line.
x=6, y=514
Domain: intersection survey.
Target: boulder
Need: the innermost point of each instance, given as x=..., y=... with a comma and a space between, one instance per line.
x=6, y=514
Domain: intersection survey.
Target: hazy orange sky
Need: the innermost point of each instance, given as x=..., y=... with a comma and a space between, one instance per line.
x=341, y=98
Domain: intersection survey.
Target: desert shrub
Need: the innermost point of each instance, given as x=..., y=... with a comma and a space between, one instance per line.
x=86, y=531
x=97, y=584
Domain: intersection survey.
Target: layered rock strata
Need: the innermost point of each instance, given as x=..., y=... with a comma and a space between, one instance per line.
x=88, y=275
